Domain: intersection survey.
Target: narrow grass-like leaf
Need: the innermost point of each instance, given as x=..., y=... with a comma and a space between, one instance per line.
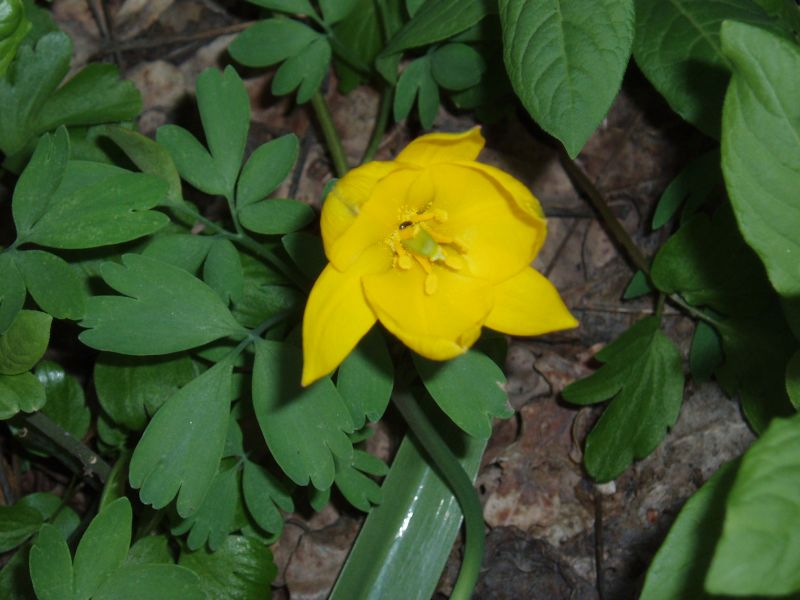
x=25, y=342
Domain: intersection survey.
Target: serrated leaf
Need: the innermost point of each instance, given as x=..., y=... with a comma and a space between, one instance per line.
x=66, y=403
x=693, y=185
x=51, y=565
x=287, y=412
x=266, y=168
x=306, y=251
x=21, y=392
x=705, y=353
x=154, y=582
x=222, y=271
x=566, y=59
x=761, y=147
x=759, y=549
x=304, y=71
x=181, y=448
x=131, y=388
x=366, y=379
x=192, y=160
x=241, y=569
x=457, y=66
x=643, y=378
x=638, y=286
x=271, y=41
x=213, y=520
x=276, y=215
x=53, y=284
x=12, y=290
x=352, y=481
x=469, y=389
x=182, y=250
x=263, y=495
x=166, y=310
x=25, y=342
x=793, y=379
x=677, y=47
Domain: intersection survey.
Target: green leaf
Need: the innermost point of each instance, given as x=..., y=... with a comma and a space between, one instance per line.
x=241, y=569
x=225, y=112
x=223, y=271
x=131, y=388
x=53, y=283
x=12, y=290
x=793, y=379
x=103, y=548
x=166, y=310
x=150, y=550
x=181, y=448
x=302, y=7
x=470, y=389
x=51, y=565
x=693, y=186
x=32, y=106
x=287, y=413
x=679, y=567
x=566, y=59
x=264, y=494
x=761, y=147
x=40, y=179
x=417, y=81
x=182, y=250
x=304, y=71
x=643, y=377
x=213, y=521
x=192, y=160
x=638, y=286
x=351, y=478
x=677, y=47
x=366, y=379
x=14, y=26
x=109, y=210
x=17, y=524
x=709, y=264
x=759, y=549
x=15, y=581
x=306, y=251
x=266, y=168
x=25, y=342
x=457, y=66
x=20, y=393
x=705, y=354
x=271, y=41
x=336, y=10
x=276, y=215
x=66, y=403
x=360, y=35
x=154, y=582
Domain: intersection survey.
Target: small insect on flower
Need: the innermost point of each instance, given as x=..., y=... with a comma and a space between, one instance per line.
x=434, y=245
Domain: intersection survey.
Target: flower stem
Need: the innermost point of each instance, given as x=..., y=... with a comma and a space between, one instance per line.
x=381, y=121
x=332, y=140
x=460, y=484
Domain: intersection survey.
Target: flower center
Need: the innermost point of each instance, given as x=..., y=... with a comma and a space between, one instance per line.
x=418, y=241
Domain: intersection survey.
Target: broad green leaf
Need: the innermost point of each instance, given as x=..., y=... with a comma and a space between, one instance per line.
x=25, y=342
x=241, y=569
x=678, y=48
x=32, y=106
x=213, y=521
x=21, y=392
x=266, y=168
x=643, y=378
x=413, y=531
x=276, y=215
x=271, y=41
x=709, y=264
x=566, y=59
x=225, y=112
x=51, y=565
x=15, y=581
x=759, y=549
x=287, y=413
x=182, y=250
x=457, y=66
x=360, y=35
x=66, y=403
x=470, y=389
x=17, y=524
x=679, y=567
x=302, y=7
x=12, y=290
x=793, y=379
x=637, y=287
x=692, y=186
x=14, y=26
x=131, y=388
x=705, y=354
x=222, y=271
x=52, y=509
x=103, y=548
x=40, y=179
x=336, y=10
x=165, y=310
x=353, y=482
x=111, y=210
x=304, y=71
x=261, y=302
x=264, y=494
x=306, y=251
x=181, y=448
x=150, y=550
x=761, y=147
x=192, y=160
x=366, y=379
x=154, y=582
x=53, y=283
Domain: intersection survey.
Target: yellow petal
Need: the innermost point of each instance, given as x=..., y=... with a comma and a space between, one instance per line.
x=443, y=147
x=440, y=325
x=484, y=216
x=517, y=191
x=337, y=315
x=528, y=304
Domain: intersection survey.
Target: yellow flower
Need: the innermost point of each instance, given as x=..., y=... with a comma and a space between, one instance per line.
x=434, y=246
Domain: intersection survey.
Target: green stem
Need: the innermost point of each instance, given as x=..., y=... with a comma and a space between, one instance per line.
x=332, y=139
x=459, y=483
x=234, y=216
x=676, y=300
x=381, y=121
